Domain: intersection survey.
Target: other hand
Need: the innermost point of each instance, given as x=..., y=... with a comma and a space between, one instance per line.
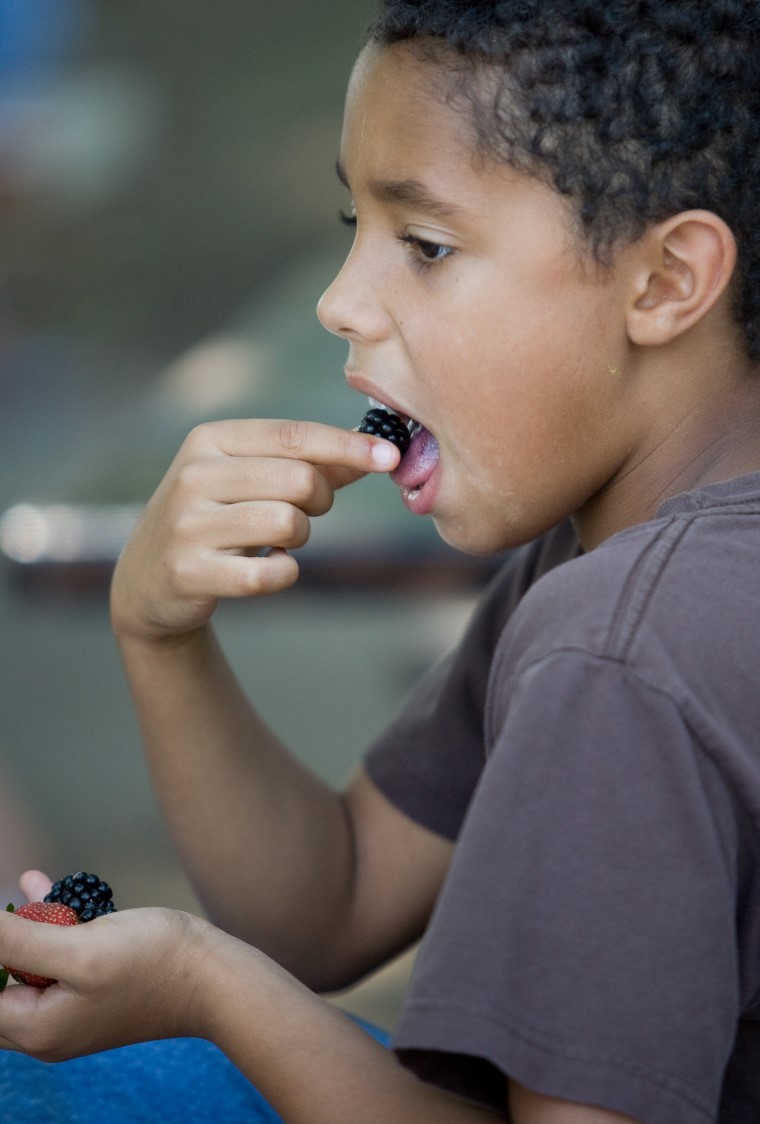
x=126, y=977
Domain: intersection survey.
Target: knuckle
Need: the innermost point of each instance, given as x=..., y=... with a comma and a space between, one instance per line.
x=188, y=479
x=201, y=437
x=293, y=435
x=306, y=481
x=195, y=442
x=181, y=569
x=301, y=532
x=273, y=574
x=322, y=498
x=184, y=526
x=284, y=522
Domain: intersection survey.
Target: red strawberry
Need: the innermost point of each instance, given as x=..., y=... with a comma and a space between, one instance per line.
x=52, y=913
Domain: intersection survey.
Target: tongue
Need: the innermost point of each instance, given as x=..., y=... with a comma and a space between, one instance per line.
x=418, y=461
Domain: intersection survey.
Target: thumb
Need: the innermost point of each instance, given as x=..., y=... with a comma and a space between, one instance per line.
x=44, y=950
x=34, y=885
x=385, y=456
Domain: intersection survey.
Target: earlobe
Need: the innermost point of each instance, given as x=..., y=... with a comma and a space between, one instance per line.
x=682, y=268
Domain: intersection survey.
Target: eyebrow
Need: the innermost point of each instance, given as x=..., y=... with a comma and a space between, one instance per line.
x=408, y=191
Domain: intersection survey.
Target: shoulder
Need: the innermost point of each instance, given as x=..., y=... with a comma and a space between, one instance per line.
x=682, y=570
x=429, y=759
x=587, y=602
x=671, y=601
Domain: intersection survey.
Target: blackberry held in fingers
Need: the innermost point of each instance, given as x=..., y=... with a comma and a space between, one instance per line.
x=383, y=423
x=87, y=894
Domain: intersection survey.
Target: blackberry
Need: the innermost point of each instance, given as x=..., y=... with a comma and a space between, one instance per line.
x=382, y=423
x=85, y=893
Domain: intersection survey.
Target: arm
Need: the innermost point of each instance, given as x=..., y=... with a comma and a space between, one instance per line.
x=329, y=884
x=528, y=1107
x=156, y=973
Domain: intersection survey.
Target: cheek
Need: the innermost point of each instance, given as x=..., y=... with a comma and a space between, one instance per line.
x=518, y=376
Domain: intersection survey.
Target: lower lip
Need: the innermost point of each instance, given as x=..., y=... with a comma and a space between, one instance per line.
x=420, y=500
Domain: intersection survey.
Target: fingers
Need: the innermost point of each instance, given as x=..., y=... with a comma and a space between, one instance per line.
x=220, y=575
x=44, y=1022
x=127, y=977
x=44, y=950
x=234, y=488
x=313, y=442
x=240, y=526
x=231, y=480
x=34, y=885
x=259, y=455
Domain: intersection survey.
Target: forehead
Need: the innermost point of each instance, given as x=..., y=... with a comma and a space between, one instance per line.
x=397, y=111
x=404, y=142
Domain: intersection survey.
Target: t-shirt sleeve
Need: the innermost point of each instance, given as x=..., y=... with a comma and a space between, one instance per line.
x=428, y=761
x=584, y=941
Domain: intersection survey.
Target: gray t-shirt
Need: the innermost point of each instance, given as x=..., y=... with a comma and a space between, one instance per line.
x=594, y=747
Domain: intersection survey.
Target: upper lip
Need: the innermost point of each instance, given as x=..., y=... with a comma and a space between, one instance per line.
x=372, y=390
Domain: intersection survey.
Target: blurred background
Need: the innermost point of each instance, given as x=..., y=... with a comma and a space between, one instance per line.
x=168, y=220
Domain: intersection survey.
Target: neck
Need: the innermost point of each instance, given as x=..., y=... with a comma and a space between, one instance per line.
x=709, y=434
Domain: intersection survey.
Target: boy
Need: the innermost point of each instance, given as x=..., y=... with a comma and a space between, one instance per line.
x=554, y=279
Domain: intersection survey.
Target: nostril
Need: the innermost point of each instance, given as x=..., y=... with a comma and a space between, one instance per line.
x=330, y=315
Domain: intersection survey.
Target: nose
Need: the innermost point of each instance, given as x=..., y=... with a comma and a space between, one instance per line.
x=350, y=307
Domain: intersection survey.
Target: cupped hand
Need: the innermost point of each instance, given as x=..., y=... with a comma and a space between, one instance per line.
x=234, y=488
x=122, y=978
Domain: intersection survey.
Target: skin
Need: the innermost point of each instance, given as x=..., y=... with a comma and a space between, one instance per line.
x=553, y=389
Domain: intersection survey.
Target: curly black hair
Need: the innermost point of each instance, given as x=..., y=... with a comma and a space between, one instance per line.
x=634, y=109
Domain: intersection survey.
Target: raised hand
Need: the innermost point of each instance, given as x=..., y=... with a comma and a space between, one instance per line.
x=234, y=488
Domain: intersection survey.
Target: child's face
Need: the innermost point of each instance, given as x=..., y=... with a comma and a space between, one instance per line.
x=468, y=307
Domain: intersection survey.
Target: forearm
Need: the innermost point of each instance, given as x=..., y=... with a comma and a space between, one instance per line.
x=269, y=848
x=309, y=1059
x=266, y=844
x=145, y=974
x=316, y=1067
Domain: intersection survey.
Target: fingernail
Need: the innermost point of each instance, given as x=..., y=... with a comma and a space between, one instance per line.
x=383, y=454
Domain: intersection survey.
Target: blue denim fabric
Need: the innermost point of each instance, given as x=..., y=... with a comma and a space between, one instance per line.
x=177, y=1081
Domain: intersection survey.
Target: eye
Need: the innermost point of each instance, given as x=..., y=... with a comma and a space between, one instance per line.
x=425, y=252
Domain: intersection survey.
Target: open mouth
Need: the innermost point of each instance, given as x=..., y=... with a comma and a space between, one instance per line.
x=376, y=404
x=420, y=460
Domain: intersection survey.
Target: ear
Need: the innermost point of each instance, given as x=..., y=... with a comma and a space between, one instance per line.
x=682, y=267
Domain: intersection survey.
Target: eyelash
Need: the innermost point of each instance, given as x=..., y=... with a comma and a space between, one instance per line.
x=417, y=246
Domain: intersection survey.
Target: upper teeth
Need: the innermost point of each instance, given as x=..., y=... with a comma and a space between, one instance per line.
x=378, y=405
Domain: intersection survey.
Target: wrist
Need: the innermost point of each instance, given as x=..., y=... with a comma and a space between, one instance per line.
x=132, y=637
x=151, y=616
x=178, y=973
x=233, y=985
x=202, y=964
x=163, y=665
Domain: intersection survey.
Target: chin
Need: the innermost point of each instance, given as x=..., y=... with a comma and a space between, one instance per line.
x=478, y=540
x=493, y=532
